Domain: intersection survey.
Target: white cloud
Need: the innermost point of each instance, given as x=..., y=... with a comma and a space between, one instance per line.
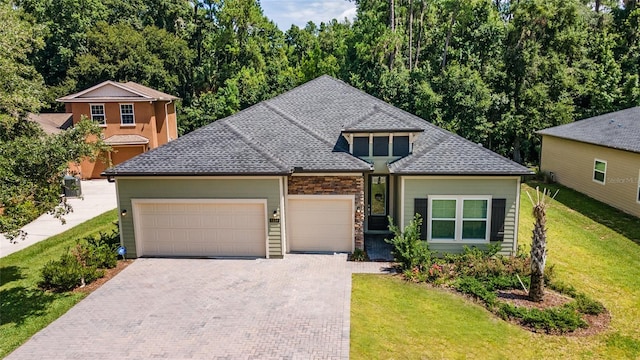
x=287, y=12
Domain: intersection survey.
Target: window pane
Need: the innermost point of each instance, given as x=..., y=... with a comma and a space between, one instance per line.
x=443, y=229
x=380, y=146
x=97, y=110
x=443, y=209
x=598, y=176
x=474, y=229
x=400, y=145
x=361, y=146
x=474, y=209
x=600, y=166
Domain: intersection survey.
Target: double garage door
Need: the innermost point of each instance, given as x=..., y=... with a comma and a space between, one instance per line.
x=200, y=228
x=238, y=228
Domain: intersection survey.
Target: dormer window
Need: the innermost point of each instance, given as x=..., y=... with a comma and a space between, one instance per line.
x=383, y=144
x=400, y=146
x=361, y=146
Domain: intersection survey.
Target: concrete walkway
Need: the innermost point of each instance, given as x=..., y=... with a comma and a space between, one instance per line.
x=99, y=196
x=295, y=308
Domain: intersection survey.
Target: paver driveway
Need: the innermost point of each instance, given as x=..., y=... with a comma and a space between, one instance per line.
x=296, y=308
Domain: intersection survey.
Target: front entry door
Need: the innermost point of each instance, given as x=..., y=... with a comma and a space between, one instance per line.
x=378, y=205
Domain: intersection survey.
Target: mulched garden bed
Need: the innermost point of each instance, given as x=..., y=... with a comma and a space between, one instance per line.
x=108, y=274
x=518, y=297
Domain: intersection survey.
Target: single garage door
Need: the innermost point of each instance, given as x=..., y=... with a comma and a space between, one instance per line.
x=320, y=223
x=200, y=228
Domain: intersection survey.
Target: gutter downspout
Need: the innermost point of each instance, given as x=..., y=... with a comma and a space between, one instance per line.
x=166, y=118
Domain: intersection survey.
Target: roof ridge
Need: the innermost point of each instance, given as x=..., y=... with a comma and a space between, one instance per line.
x=254, y=145
x=414, y=156
x=290, y=118
x=362, y=118
x=293, y=120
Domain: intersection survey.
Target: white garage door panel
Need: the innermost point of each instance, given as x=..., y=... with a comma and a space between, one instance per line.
x=201, y=229
x=320, y=223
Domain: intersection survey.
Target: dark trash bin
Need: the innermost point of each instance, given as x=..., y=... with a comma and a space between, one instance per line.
x=71, y=186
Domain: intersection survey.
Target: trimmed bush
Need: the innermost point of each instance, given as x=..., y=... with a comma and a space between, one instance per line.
x=562, y=319
x=67, y=274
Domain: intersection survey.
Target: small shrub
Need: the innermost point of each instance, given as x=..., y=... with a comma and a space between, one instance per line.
x=472, y=286
x=359, y=255
x=67, y=274
x=586, y=305
x=563, y=288
x=408, y=249
x=562, y=319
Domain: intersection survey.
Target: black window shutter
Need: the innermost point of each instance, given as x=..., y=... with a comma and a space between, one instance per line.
x=420, y=207
x=497, y=219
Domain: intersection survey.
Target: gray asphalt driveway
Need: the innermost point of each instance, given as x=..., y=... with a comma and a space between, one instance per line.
x=296, y=308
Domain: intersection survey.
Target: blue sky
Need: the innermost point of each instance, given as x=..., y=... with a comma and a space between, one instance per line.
x=299, y=12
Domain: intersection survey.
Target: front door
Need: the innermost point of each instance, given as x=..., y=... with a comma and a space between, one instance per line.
x=378, y=205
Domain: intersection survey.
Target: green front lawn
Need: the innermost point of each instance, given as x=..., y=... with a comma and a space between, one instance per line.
x=593, y=247
x=25, y=309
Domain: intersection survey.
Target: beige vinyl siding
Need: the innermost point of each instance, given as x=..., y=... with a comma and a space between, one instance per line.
x=572, y=163
x=507, y=188
x=193, y=188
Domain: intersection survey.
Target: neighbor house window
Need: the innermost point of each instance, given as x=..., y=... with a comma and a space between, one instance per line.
x=459, y=218
x=600, y=171
x=97, y=114
x=638, y=195
x=380, y=146
x=126, y=114
x=400, y=145
x=361, y=146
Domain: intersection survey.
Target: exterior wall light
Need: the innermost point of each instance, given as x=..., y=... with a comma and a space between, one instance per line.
x=123, y=213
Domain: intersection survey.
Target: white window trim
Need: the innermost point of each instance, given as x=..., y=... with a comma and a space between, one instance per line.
x=604, y=181
x=459, y=220
x=133, y=114
x=104, y=115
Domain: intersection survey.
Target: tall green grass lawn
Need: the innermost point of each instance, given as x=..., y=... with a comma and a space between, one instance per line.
x=592, y=246
x=25, y=309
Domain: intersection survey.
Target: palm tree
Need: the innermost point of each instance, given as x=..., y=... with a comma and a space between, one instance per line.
x=539, y=245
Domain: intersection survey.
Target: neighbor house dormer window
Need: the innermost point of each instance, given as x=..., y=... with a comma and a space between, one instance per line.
x=126, y=114
x=97, y=114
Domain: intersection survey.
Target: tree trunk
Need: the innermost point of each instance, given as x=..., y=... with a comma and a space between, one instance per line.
x=516, y=150
x=392, y=24
x=448, y=38
x=420, y=32
x=538, y=253
x=410, y=34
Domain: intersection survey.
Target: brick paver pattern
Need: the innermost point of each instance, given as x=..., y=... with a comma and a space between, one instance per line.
x=295, y=308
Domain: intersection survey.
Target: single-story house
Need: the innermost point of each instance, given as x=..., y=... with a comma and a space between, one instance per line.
x=315, y=169
x=598, y=156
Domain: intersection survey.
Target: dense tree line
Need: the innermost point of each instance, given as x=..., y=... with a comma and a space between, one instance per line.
x=493, y=71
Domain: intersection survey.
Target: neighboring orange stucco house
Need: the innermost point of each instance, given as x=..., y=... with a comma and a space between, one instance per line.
x=134, y=118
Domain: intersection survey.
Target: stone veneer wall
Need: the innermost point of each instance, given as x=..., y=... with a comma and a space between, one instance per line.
x=334, y=185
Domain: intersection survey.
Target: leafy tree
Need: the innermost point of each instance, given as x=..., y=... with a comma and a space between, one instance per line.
x=21, y=86
x=31, y=170
x=152, y=57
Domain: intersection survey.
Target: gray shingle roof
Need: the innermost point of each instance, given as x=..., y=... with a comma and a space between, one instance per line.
x=301, y=130
x=618, y=130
